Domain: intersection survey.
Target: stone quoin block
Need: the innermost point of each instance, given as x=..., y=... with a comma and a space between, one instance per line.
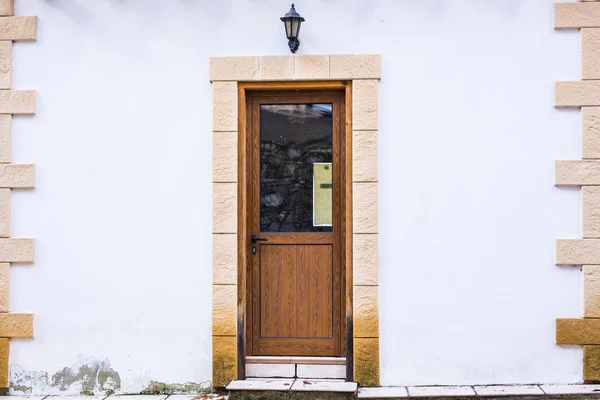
x=364, y=204
x=277, y=68
x=4, y=287
x=20, y=176
x=577, y=172
x=7, y=7
x=577, y=94
x=576, y=15
x=591, y=363
x=234, y=69
x=225, y=107
x=5, y=198
x=364, y=156
x=17, y=101
x=13, y=325
x=311, y=67
x=578, y=252
x=5, y=64
x=4, y=359
x=366, y=361
x=591, y=211
x=366, y=311
x=363, y=66
x=225, y=166
x=18, y=28
x=224, y=310
x=590, y=46
x=5, y=138
x=224, y=360
x=17, y=250
x=365, y=257
x=224, y=259
x=591, y=291
x=365, y=95
x=591, y=132
x=224, y=208
x=577, y=331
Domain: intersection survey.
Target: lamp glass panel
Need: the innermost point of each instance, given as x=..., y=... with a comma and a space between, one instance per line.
x=288, y=27
x=295, y=27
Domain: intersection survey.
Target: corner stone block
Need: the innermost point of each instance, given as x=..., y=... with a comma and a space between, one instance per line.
x=366, y=314
x=276, y=68
x=591, y=291
x=366, y=361
x=577, y=331
x=225, y=107
x=225, y=157
x=590, y=43
x=16, y=325
x=224, y=358
x=576, y=15
x=591, y=132
x=4, y=359
x=17, y=101
x=591, y=363
x=364, y=204
x=363, y=66
x=224, y=259
x=6, y=64
x=311, y=67
x=4, y=288
x=365, y=95
x=224, y=310
x=5, y=138
x=577, y=94
x=18, y=28
x=21, y=176
x=578, y=252
x=17, y=250
x=591, y=211
x=224, y=208
x=365, y=259
x=577, y=172
x=5, y=197
x=7, y=7
x=234, y=68
x=364, y=157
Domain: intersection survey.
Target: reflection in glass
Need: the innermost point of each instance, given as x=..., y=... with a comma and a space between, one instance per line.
x=296, y=142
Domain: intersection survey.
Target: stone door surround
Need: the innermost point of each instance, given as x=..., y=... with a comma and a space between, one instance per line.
x=585, y=173
x=363, y=73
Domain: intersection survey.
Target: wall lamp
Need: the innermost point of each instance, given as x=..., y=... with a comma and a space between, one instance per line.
x=292, y=21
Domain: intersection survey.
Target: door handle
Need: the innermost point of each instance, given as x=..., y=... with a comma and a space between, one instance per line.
x=258, y=239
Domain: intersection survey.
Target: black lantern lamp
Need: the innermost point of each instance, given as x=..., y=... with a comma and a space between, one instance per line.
x=292, y=21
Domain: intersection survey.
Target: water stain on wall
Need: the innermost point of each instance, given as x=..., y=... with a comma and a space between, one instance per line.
x=90, y=376
x=86, y=377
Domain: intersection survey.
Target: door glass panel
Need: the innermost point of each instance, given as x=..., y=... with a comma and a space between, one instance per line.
x=296, y=171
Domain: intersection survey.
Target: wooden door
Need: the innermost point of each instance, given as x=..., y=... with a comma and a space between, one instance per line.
x=295, y=280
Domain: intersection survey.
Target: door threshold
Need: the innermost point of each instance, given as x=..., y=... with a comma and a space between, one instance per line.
x=295, y=360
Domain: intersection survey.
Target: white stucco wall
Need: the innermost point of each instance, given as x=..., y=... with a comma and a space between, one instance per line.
x=468, y=212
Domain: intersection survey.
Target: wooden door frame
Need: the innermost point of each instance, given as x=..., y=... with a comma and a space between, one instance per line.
x=346, y=210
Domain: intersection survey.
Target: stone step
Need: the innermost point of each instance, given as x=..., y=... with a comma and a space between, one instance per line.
x=292, y=389
x=483, y=392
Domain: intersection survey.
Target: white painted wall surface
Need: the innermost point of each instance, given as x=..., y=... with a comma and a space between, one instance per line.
x=468, y=212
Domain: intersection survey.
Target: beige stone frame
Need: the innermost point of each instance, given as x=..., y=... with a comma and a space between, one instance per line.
x=12, y=176
x=364, y=72
x=585, y=173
